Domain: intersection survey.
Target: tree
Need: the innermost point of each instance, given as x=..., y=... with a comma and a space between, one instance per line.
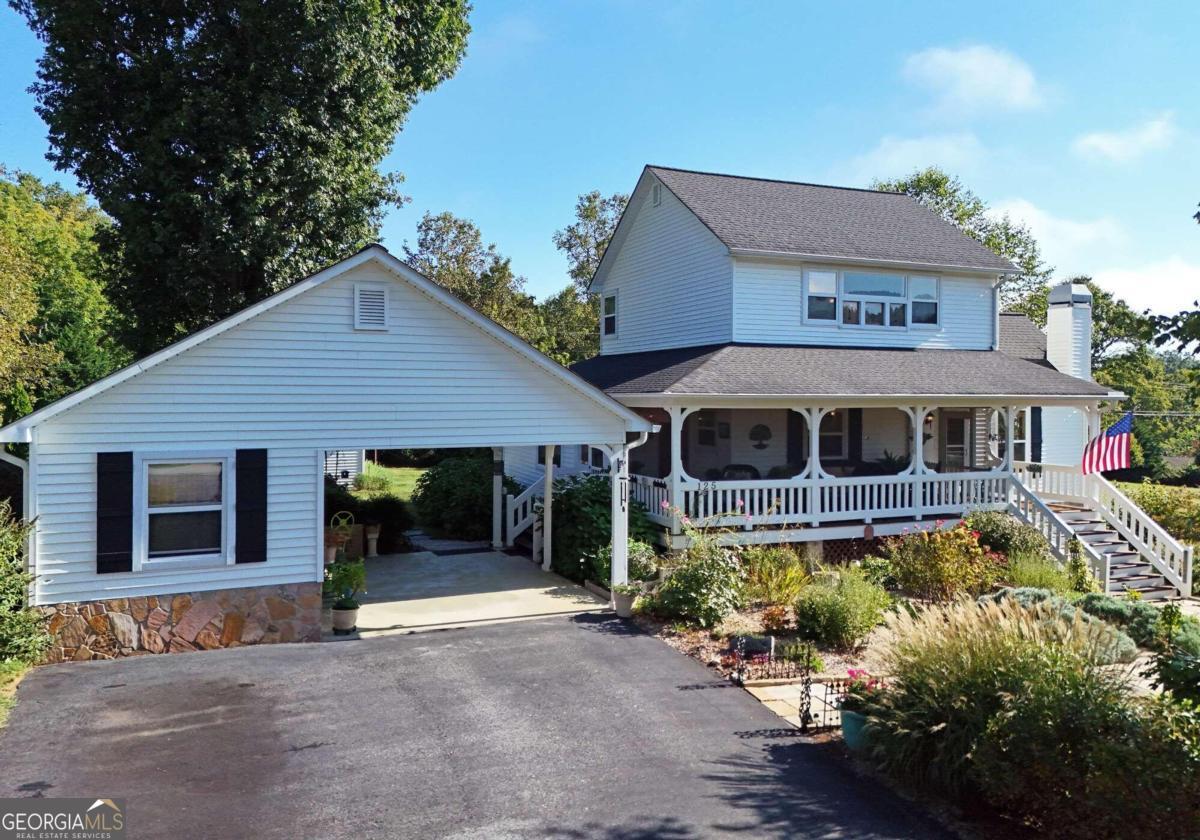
x=950, y=199
x=451, y=253
x=1182, y=330
x=571, y=321
x=55, y=231
x=235, y=144
x=1115, y=325
x=23, y=362
x=584, y=240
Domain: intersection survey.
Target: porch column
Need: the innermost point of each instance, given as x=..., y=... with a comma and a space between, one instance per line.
x=678, y=415
x=918, y=467
x=497, y=497
x=547, y=506
x=1010, y=430
x=815, y=415
x=618, y=470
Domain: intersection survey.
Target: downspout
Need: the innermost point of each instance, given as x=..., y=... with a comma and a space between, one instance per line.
x=996, y=313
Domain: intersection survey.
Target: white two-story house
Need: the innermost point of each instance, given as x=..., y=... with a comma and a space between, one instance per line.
x=827, y=364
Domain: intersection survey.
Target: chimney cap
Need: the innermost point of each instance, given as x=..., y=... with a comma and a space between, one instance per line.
x=1070, y=293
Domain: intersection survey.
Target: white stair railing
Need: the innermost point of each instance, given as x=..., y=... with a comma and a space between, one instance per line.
x=1025, y=505
x=1170, y=558
x=1167, y=555
x=520, y=511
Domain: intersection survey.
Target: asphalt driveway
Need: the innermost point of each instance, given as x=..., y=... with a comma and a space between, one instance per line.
x=565, y=727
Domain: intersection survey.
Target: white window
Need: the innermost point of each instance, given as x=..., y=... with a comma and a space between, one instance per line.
x=184, y=513
x=821, y=296
x=656, y=194
x=833, y=434
x=370, y=307
x=610, y=315
x=870, y=299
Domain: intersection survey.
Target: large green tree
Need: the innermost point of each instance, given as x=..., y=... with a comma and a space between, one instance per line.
x=946, y=195
x=54, y=231
x=235, y=143
x=584, y=240
x=450, y=252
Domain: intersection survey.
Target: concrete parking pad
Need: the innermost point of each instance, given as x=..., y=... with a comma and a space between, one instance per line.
x=424, y=591
x=570, y=727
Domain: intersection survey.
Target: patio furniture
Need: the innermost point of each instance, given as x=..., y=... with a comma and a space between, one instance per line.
x=740, y=472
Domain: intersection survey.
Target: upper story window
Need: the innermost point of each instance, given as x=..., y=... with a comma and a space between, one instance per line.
x=870, y=299
x=610, y=314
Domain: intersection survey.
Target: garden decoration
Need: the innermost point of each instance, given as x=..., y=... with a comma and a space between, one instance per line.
x=342, y=526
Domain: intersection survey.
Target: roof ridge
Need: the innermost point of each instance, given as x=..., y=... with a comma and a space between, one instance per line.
x=775, y=180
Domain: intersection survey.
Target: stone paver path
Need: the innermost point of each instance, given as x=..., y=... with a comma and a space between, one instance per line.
x=786, y=701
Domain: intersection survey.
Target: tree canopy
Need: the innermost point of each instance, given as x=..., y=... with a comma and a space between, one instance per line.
x=234, y=144
x=946, y=195
x=584, y=240
x=1115, y=326
x=48, y=238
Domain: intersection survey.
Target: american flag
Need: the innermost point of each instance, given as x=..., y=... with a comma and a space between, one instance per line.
x=1110, y=449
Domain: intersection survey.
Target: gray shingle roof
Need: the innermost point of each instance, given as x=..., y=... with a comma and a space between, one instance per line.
x=1022, y=338
x=808, y=219
x=777, y=370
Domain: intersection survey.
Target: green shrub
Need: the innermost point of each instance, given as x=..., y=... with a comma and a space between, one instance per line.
x=800, y=653
x=371, y=480
x=1110, y=643
x=643, y=563
x=841, y=611
x=1177, y=509
x=582, y=523
x=1002, y=532
x=1037, y=571
x=23, y=634
x=704, y=586
x=392, y=516
x=1177, y=671
x=941, y=564
x=951, y=667
x=879, y=570
x=775, y=574
x=1076, y=756
x=454, y=497
x=1144, y=622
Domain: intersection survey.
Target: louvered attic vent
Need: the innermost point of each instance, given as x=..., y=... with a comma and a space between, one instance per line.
x=370, y=307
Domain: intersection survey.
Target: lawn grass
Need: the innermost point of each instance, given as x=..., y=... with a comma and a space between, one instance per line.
x=400, y=481
x=11, y=672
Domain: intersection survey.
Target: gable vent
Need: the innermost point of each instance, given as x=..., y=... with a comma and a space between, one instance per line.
x=370, y=307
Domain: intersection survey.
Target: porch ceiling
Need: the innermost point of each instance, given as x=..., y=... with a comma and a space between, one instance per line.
x=780, y=370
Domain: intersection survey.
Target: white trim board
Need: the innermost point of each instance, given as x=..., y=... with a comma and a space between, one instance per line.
x=21, y=431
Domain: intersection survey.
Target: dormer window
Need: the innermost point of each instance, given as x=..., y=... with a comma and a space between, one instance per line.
x=870, y=299
x=610, y=314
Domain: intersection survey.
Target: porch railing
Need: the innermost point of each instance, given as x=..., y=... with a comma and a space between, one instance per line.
x=810, y=501
x=1032, y=510
x=519, y=511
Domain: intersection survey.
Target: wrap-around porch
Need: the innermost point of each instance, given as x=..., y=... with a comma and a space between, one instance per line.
x=848, y=470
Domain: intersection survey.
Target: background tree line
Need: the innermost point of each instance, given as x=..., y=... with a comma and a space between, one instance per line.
x=234, y=147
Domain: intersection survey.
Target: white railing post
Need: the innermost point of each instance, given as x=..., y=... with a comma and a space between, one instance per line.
x=497, y=497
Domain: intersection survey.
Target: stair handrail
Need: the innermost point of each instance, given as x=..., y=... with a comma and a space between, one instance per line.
x=521, y=511
x=1170, y=558
x=1026, y=506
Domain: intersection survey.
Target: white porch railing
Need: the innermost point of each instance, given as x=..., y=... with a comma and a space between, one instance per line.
x=1032, y=510
x=808, y=501
x=651, y=493
x=519, y=511
x=1170, y=558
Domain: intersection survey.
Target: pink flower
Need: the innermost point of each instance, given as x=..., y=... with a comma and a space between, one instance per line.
x=664, y=504
x=740, y=504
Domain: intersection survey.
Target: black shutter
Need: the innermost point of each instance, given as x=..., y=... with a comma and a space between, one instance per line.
x=251, y=478
x=114, y=512
x=855, y=421
x=1035, y=434
x=795, y=439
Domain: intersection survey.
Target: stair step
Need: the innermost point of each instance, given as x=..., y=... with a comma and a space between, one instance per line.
x=1132, y=572
x=1161, y=592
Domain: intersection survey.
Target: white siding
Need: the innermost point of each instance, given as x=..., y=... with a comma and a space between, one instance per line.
x=1064, y=435
x=885, y=430
x=521, y=464
x=768, y=307
x=672, y=278
x=348, y=461
x=296, y=380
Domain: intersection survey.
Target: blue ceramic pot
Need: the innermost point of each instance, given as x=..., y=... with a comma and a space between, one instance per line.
x=852, y=730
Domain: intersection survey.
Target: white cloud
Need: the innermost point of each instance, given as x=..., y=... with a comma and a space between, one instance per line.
x=1070, y=245
x=896, y=156
x=1163, y=287
x=1123, y=146
x=974, y=79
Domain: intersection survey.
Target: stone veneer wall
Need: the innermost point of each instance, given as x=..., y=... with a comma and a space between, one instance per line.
x=185, y=622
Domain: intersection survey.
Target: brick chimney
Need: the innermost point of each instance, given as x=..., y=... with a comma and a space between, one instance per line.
x=1069, y=329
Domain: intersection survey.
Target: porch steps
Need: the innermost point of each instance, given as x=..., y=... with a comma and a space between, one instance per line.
x=1127, y=571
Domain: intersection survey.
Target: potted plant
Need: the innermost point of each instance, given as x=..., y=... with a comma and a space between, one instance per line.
x=860, y=693
x=624, y=594
x=346, y=579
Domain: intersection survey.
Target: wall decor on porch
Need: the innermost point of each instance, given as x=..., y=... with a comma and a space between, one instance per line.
x=760, y=434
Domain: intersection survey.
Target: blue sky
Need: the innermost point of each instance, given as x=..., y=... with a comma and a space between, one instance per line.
x=1080, y=119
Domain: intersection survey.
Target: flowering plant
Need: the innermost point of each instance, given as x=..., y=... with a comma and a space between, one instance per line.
x=941, y=563
x=861, y=690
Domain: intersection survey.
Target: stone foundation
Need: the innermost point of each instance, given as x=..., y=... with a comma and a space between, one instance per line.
x=185, y=622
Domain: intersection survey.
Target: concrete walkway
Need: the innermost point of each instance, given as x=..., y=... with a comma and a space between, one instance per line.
x=424, y=591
